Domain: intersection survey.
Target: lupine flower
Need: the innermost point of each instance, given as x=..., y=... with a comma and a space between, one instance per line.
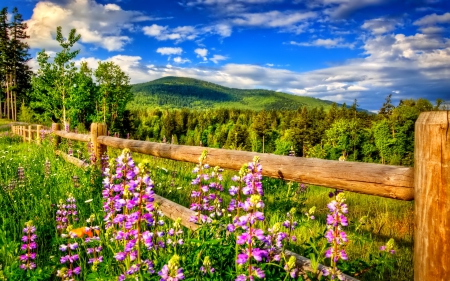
x=248, y=238
x=70, y=151
x=76, y=182
x=389, y=247
x=69, y=258
x=172, y=270
x=20, y=175
x=291, y=268
x=27, y=259
x=335, y=234
x=48, y=168
x=206, y=199
x=91, y=152
x=206, y=268
x=252, y=179
x=94, y=247
x=129, y=206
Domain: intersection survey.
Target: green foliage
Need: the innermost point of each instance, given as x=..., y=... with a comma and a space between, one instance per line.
x=54, y=83
x=26, y=114
x=114, y=92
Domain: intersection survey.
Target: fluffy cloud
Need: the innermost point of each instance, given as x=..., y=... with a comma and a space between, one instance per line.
x=340, y=9
x=226, y=6
x=217, y=58
x=326, y=43
x=169, y=51
x=180, y=60
x=380, y=25
x=201, y=52
x=185, y=33
x=434, y=19
x=101, y=25
x=272, y=18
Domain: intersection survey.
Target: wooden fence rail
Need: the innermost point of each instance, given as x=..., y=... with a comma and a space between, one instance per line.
x=428, y=182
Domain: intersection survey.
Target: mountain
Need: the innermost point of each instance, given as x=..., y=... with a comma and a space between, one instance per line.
x=177, y=92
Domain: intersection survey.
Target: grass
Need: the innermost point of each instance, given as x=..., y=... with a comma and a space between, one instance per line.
x=36, y=197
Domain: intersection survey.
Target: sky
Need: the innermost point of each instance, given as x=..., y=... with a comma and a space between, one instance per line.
x=337, y=50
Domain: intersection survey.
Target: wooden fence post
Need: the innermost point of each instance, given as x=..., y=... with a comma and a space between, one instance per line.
x=38, y=133
x=56, y=139
x=24, y=134
x=98, y=129
x=30, y=133
x=432, y=196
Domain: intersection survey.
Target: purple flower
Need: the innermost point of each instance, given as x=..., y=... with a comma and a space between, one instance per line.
x=335, y=235
x=172, y=270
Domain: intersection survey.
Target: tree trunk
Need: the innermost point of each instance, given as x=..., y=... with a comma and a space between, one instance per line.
x=7, y=97
x=15, y=106
x=11, y=96
x=1, y=113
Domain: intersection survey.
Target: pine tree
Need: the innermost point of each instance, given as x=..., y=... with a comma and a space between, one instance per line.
x=20, y=71
x=14, y=71
x=4, y=39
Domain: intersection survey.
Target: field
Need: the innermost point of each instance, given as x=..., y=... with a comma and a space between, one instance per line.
x=34, y=193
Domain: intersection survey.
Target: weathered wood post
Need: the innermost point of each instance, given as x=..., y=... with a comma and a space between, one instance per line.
x=38, y=134
x=30, y=133
x=98, y=129
x=56, y=139
x=24, y=134
x=432, y=196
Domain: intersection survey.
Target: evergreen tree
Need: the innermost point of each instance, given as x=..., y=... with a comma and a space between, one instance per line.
x=20, y=73
x=14, y=72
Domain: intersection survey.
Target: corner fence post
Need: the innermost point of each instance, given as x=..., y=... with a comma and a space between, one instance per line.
x=98, y=129
x=432, y=196
x=56, y=139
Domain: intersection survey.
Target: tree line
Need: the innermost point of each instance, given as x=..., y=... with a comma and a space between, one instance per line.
x=342, y=132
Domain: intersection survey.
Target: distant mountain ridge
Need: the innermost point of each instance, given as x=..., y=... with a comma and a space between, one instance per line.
x=179, y=92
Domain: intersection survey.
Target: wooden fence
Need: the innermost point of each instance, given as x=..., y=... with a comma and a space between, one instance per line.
x=428, y=183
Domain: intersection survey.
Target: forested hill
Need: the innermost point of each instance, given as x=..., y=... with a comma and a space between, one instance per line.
x=179, y=92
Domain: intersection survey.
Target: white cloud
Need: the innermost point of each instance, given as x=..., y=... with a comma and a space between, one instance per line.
x=154, y=30
x=217, y=58
x=272, y=18
x=327, y=43
x=169, y=51
x=380, y=25
x=185, y=33
x=101, y=25
x=226, y=6
x=180, y=60
x=339, y=9
x=434, y=19
x=201, y=52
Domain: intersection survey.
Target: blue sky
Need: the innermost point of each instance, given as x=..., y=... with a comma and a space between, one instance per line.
x=337, y=50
